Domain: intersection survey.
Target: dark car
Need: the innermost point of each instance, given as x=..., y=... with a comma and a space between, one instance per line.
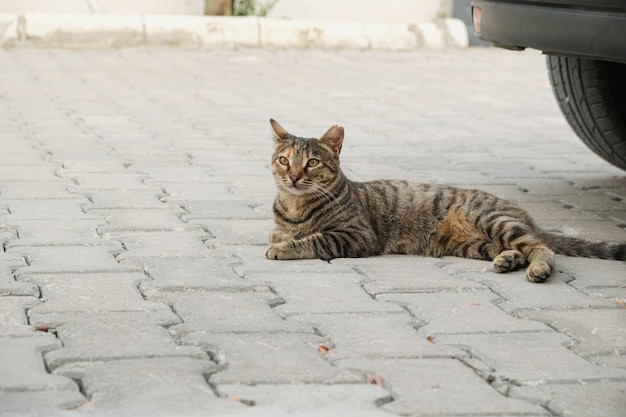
x=585, y=44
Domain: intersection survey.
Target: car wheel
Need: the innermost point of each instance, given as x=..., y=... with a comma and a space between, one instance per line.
x=592, y=96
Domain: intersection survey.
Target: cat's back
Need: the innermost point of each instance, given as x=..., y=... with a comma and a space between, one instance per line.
x=405, y=214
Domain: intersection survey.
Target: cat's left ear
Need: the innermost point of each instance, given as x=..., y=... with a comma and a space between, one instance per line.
x=333, y=138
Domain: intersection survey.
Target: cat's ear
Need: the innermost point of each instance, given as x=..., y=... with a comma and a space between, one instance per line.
x=278, y=131
x=333, y=138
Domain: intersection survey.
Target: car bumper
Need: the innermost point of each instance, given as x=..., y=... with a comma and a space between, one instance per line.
x=554, y=29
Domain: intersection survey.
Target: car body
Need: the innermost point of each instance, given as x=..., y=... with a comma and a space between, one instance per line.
x=585, y=42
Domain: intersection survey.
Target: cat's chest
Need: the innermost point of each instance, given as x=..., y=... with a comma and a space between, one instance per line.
x=298, y=212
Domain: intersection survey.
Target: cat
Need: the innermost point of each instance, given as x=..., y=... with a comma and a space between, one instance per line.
x=320, y=213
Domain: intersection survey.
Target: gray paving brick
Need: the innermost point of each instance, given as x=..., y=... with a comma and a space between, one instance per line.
x=462, y=312
x=176, y=386
x=10, y=172
x=596, y=331
x=39, y=403
x=179, y=174
x=56, y=232
x=30, y=190
x=13, y=319
x=227, y=312
x=8, y=285
x=123, y=199
x=107, y=181
x=583, y=399
x=521, y=295
x=439, y=387
x=224, y=209
x=395, y=273
x=188, y=243
x=279, y=358
x=66, y=259
x=58, y=209
x=593, y=273
x=210, y=273
x=378, y=335
x=198, y=191
x=532, y=358
x=237, y=232
x=349, y=400
x=102, y=164
x=306, y=293
x=98, y=341
x=93, y=294
x=145, y=220
x=23, y=367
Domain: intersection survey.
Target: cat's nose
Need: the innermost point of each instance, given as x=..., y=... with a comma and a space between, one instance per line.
x=294, y=178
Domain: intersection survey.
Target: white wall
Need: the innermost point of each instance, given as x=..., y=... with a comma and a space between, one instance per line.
x=388, y=11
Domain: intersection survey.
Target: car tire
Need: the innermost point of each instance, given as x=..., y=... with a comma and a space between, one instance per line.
x=592, y=96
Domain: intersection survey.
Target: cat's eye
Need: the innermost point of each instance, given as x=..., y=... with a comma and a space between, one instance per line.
x=283, y=160
x=313, y=163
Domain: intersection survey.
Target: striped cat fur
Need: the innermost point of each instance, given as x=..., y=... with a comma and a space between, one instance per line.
x=319, y=213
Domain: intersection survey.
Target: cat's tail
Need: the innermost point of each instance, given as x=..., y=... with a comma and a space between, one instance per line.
x=575, y=246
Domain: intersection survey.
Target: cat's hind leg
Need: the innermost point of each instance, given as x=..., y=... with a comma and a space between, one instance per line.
x=509, y=260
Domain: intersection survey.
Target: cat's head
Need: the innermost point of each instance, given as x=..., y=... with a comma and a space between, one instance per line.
x=305, y=166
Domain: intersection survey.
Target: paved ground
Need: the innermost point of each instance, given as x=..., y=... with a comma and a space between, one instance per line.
x=135, y=202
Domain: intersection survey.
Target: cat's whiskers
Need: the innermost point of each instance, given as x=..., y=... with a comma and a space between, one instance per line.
x=325, y=192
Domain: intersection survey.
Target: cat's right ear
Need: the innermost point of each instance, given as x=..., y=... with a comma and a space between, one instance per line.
x=280, y=134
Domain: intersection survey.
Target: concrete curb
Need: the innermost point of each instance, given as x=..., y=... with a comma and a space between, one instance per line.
x=112, y=31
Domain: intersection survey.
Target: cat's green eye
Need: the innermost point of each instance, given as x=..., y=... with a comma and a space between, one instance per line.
x=313, y=163
x=283, y=160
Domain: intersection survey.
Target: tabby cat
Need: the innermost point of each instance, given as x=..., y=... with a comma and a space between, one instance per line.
x=320, y=213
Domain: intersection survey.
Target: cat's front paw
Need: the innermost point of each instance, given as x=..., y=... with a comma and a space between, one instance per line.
x=277, y=236
x=280, y=251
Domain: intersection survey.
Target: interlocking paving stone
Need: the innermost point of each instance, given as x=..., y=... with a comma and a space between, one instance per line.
x=214, y=272
x=39, y=403
x=306, y=293
x=166, y=244
x=521, y=295
x=462, y=312
x=50, y=208
x=262, y=358
x=546, y=357
x=120, y=199
x=596, y=331
x=55, y=232
x=98, y=341
x=599, y=399
x=149, y=386
x=35, y=190
x=378, y=335
x=145, y=220
x=23, y=367
x=13, y=318
x=93, y=294
x=66, y=259
x=227, y=312
x=393, y=274
x=439, y=387
x=236, y=232
x=348, y=400
x=10, y=287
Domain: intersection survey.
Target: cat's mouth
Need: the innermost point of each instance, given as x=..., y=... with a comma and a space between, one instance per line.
x=295, y=188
